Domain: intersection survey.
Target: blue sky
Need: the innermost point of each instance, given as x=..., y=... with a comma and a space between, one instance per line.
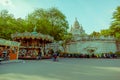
x=94, y=15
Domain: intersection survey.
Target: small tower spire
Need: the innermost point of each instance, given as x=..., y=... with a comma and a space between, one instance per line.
x=34, y=29
x=76, y=24
x=75, y=18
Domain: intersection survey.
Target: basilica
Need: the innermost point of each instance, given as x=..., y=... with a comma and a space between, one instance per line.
x=77, y=31
x=82, y=43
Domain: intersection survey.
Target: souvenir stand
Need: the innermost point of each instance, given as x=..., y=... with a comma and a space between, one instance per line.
x=31, y=43
x=9, y=49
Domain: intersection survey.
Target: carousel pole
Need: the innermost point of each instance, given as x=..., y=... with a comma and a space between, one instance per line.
x=18, y=52
x=44, y=47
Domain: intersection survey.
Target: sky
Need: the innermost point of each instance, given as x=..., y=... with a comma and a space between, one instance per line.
x=93, y=15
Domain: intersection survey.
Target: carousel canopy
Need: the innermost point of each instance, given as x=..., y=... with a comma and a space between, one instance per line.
x=33, y=35
x=4, y=42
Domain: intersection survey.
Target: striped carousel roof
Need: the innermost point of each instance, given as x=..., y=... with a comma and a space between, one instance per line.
x=33, y=35
x=5, y=42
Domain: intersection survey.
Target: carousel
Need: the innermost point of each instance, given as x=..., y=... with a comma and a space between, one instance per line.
x=32, y=43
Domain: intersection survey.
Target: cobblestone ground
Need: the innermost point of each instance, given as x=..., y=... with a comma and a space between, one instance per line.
x=64, y=69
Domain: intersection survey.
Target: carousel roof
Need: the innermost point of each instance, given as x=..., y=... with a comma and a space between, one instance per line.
x=4, y=42
x=33, y=35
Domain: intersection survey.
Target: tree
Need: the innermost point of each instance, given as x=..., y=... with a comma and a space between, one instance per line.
x=21, y=25
x=115, y=25
x=50, y=21
x=105, y=32
x=95, y=34
x=10, y=25
x=116, y=14
x=66, y=39
x=5, y=26
x=115, y=29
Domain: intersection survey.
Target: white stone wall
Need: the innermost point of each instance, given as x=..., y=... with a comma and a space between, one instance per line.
x=98, y=46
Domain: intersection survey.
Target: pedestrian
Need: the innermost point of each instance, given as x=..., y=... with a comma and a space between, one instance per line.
x=39, y=55
x=0, y=53
x=55, y=56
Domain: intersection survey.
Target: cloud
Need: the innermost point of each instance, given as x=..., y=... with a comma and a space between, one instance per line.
x=6, y=3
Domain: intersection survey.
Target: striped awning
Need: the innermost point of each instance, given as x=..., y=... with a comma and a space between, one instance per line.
x=33, y=35
x=4, y=42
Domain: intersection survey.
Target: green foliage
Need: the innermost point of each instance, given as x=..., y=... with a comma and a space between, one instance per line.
x=48, y=21
x=115, y=25
x=6, y=20
x=105, y=32
x=116, y=14
x=95, y=34
x=66, y=39
x=114, y=29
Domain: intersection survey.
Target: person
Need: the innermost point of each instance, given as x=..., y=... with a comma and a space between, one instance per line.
x=1, y=56
x=5, y=52
x=55, y=56
x=39, y=55
x=0, y=53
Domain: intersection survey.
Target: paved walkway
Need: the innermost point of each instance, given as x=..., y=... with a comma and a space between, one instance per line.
x=64, y=69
